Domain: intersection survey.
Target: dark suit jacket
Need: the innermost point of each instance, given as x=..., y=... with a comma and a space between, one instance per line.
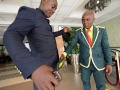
x=33, y=24
x=99, y=54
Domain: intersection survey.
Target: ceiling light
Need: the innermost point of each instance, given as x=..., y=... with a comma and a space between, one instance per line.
x=97, y=5
x=97, y=1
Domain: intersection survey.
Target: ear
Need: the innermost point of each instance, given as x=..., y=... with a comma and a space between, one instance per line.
x=44, y=1
x=94, y=19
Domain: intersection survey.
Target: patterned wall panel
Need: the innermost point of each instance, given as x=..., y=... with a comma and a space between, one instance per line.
x=113, y=30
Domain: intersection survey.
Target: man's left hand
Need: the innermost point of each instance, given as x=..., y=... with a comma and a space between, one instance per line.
x=108, y=69
x=66, y=29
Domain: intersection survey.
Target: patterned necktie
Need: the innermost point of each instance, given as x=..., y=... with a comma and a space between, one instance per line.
x=89, y=38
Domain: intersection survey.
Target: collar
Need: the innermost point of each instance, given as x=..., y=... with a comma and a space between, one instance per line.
x=90, y=28
x=40, y=11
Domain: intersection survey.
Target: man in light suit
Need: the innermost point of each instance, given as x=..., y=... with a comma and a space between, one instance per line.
x=40, y=63
x=95, y=55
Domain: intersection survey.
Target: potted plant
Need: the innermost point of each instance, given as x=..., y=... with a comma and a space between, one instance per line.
x=73, y=57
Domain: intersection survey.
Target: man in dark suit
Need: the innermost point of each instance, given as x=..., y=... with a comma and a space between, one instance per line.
x=40, y=63
x=95, y=55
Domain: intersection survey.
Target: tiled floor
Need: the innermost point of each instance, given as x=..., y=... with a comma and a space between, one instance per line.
x=70, y=81
x=11, y=78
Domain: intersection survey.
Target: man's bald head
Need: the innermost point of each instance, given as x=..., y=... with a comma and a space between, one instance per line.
x=91, y=13
x=88, y=19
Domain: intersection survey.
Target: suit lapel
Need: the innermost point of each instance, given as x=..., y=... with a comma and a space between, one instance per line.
x=94, y=33
x=83, y=31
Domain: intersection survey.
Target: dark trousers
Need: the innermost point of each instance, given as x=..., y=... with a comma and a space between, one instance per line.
x=99, y=77
x=35, y=88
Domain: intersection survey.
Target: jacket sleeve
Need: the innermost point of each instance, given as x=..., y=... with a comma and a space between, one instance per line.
x=13, y=41
x=72, y=43
x=58, y=33
x=106, y=48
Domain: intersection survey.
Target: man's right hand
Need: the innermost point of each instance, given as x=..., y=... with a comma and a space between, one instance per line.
x=66, y=29
x=63, y=57
x=44, y=79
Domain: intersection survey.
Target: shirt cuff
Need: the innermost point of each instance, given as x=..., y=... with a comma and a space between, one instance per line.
x=65, y=54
